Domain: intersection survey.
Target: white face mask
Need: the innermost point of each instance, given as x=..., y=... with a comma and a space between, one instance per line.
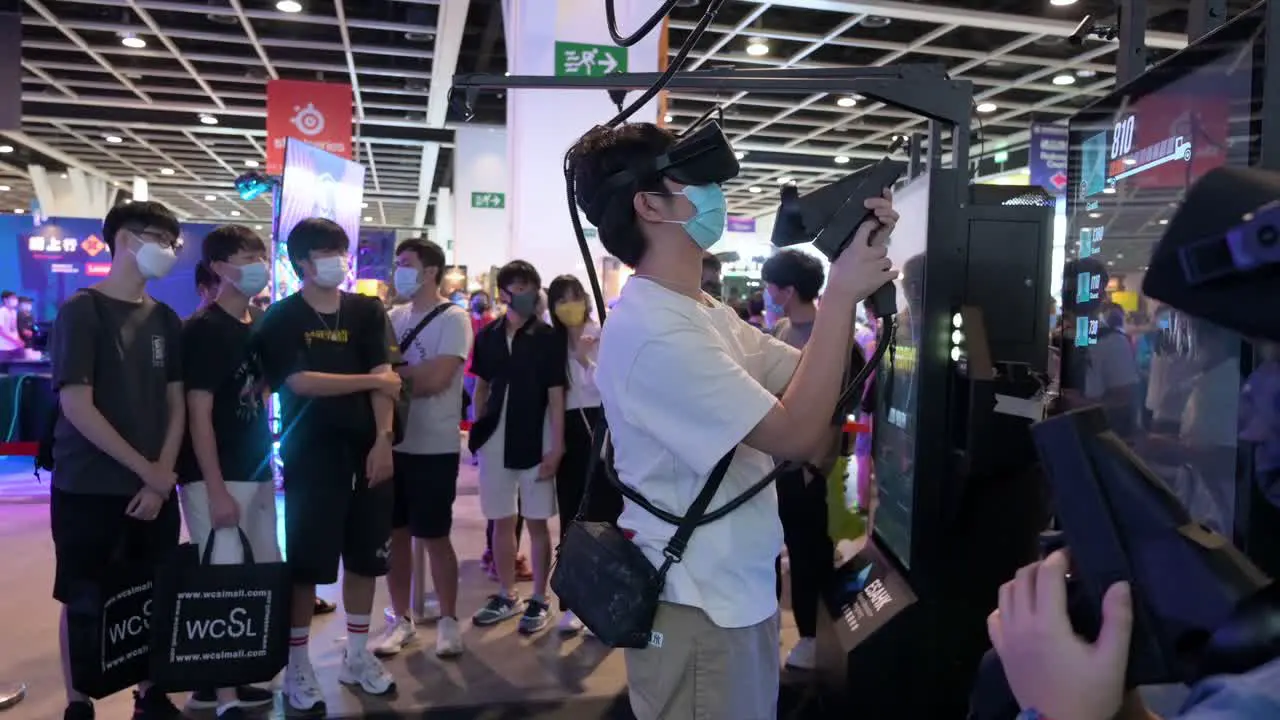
x=407, y=281
x=253, y=278
x=331, y=271
x=154, y=261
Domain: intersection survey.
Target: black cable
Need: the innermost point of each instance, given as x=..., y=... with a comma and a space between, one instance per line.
x=611, y=16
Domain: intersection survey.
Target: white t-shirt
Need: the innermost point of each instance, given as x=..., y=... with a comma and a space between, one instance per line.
x=583, y=392
x=433, y=421
x=683, y=383
x=1112, y=365
x=9, y=324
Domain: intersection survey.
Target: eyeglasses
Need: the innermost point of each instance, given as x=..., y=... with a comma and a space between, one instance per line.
x=159, y=237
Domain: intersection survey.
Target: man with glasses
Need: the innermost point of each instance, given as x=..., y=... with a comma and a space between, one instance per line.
x=117, y=369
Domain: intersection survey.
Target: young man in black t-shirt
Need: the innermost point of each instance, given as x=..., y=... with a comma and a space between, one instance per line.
x=117, y=368
x=329, y=355
x=225, y=466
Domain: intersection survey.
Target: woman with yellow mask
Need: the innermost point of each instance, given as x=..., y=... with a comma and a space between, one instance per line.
x=571, y=318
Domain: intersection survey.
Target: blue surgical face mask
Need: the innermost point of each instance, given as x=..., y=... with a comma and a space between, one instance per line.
x=710, y=214
x=407, y=281
x=253, y=278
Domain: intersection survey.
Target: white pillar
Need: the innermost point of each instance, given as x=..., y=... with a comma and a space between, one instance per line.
x=543, y=124
x=141, y=190
x=478, y=214
x=442, y=233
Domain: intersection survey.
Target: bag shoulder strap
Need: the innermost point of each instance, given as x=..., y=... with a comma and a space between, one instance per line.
x=413, y=334
x=679, y=542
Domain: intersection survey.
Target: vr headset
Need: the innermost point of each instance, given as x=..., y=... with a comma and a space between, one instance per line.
x=1200, y=606
x=701, y=156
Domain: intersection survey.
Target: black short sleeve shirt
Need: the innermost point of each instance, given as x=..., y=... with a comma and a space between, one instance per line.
x=535, y=360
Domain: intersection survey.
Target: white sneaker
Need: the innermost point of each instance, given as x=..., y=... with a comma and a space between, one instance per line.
x=804, y=656
x=448, y=638
x=395, y=638
x=569, y=624
x=302, y=690
x=367, y=671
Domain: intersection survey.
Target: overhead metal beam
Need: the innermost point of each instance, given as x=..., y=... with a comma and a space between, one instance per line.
x=1131, y=61
x=53, y=153
x=964, y=17
x=452, y=20
x=1205, y=16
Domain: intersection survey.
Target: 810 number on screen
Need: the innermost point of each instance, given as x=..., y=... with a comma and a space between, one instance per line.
x=1122, y=138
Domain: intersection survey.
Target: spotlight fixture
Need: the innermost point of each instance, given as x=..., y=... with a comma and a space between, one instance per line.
x=130, y=40
x=667, y=118
x=842, y=159
x=114, y=139
x=757, y=47
x=289, y=6
x=754, y=190
x=847, y=101
x=208, y=120
x=784, y=180
x=210, y=198
x=6, y=149
x=235, y=213
x=251, y=163
x=1064, y=79
x=739, y=155
x=987, y=107
x=368, y=218
x=166, y=171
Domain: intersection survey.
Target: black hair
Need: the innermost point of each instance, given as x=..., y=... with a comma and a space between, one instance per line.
x=475, y=293
x=140, y=216
x=206, y=279
x=797, y=270
x=431, y=255
x=518, y=271
x=7, y=294
x=314, y=235
x=25, y=299
x=227, y=240
x=598, y=157
x=710, y=261
x=755, y=304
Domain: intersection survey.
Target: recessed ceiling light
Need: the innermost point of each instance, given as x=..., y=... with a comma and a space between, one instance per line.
x=208, y=120
x=784, y=180
x=1111, y=262
x=251, y=163
x=257, y=227
x=841, y=159
x=63, y=176
x=166, y=171
x=1062, y=3
x=1108, y=191
x=986, y=107
x=739, y=154
x=667, y=118
x=846, y=101
x=289, y=6
x=6, y=149
x=1164, y=221
x=364, y=205
x=130, y=40
x=19, y=211
x=210, y=198
x=1095, y=216
x=235, y=213
x=1086, y=73
x=5, y=188
x=368, y=218
x=114, y=139
x=754, y=189
x=757, y=47
x=1064, y=79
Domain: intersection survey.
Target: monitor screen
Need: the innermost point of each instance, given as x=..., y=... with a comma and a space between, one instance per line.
x=1169, y=383
x=895, y=421
x=316, y=183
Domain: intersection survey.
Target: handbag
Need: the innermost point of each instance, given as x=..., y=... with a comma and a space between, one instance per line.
x=605, y=579
x=109, y=628
x=400, y=422
x=219, y=625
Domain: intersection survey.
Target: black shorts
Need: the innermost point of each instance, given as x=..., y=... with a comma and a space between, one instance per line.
x=90, y=531
x=426, y=486
x=331, y=514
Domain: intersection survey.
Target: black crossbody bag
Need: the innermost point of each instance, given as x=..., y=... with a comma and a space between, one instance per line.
x=604, y=578
x=401, y=421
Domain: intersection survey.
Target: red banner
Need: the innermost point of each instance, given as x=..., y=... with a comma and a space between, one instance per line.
x=314, y=112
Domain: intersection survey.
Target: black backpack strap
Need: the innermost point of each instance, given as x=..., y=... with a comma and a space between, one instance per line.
x=413, y=334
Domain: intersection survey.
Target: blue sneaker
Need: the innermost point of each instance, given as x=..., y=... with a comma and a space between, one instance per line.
x=496, y=610
x=536, y=618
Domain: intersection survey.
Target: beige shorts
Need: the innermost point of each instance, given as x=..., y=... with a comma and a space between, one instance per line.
x=696, y=670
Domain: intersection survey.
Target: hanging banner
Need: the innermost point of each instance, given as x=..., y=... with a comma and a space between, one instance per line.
x=316, y=113
x=1047, y=160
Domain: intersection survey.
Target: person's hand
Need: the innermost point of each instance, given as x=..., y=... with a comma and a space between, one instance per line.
x=585, y=349
x=550, y=464
x=224, y=511
x=146, y=505
x=864, y=266
x=378, y=466
x=1049, y=667
x=388, y=383
x=160, y=479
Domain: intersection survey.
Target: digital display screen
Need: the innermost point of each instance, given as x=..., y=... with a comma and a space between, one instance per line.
x=1169, y=383
x=894, y=444
x=316, y=183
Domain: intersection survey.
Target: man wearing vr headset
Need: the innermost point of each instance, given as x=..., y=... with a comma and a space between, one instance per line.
x=684, y=381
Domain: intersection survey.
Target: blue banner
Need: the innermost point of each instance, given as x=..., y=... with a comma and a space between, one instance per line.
x=1047, y=158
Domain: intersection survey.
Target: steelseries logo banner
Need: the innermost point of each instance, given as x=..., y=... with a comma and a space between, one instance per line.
x=221, y=625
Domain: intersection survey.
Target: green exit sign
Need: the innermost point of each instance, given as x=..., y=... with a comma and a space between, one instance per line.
x=583, y=60
x=489, y=200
